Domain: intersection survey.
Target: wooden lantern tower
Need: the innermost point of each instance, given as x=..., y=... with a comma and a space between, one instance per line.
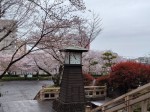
x=72, y=95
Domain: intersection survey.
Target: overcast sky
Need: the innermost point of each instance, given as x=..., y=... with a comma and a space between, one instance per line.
x=125, y=24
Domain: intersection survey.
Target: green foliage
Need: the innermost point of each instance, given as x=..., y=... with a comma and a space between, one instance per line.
x=44, y=78
x=11, y=76
x=93, y=63
x=96, y=75
x=17, y=78
x=108, y=58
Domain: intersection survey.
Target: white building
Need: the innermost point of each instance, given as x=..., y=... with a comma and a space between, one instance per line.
x=144, y=60
x=8, y=36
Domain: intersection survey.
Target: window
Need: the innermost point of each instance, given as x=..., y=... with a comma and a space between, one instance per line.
x=97, y=92
x=52, y=95
x=46, y=95
x=90, y=93
x=102, y=92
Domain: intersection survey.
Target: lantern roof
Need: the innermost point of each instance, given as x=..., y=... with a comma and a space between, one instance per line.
x=74, y=49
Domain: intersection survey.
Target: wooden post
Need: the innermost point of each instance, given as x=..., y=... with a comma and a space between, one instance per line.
x=41, y=95
x=88, y=109
x=105, y=89
x=126, y=103
x=103, y=109
x=128, y=107
x=144, y=106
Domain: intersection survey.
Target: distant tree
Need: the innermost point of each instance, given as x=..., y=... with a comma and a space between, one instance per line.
x=48, y=65
x=108, y=60
x=42, y=19
x=129, y=75
x=79, y=4
x=15, y=15
x=25, y=64
x=92, y=62
x=62, y=28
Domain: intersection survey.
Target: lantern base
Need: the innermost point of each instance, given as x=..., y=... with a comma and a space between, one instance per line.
x=59, y=106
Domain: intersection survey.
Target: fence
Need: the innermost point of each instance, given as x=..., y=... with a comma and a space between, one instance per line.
x=91, y=92
x=137, y=100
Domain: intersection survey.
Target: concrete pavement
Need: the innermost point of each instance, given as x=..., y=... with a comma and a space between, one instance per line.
x=27, y=106
x=17, y=96
x=20, y=90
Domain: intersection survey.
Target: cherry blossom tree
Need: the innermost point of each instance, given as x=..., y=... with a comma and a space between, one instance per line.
x=16, y=19
x=25, y=65
x=63, y=27
x=46, y=63
x=50, y=19
x=92, y=62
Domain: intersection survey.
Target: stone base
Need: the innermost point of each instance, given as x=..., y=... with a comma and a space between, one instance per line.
x=59, y=106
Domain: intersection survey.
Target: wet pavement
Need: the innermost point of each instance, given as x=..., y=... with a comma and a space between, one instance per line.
x=27, y=106
x=17, y=96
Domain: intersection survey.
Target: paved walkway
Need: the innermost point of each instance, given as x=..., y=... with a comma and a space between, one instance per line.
x=17, y=94
x=27, y=106
x=20, y=90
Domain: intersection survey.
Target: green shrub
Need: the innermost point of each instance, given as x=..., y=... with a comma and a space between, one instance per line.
x=44, y=78
x=44, y=75
x=11, y=76
x=6, y=78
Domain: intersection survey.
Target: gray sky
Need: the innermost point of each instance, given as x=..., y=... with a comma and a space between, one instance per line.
x=125, y=24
